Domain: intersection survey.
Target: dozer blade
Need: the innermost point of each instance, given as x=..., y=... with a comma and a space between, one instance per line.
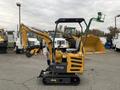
x=93, y=44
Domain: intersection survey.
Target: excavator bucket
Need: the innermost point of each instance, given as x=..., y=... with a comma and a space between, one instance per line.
x=93, y=44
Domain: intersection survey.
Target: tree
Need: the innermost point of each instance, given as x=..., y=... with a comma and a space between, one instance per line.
x=113, y=31
x=96, y=32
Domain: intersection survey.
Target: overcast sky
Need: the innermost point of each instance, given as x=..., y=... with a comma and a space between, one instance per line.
x=43, y=13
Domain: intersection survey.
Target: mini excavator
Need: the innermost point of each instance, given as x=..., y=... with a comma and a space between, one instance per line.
x=64, y=65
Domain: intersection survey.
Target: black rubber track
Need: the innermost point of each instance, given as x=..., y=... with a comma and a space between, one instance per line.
x=74, y=80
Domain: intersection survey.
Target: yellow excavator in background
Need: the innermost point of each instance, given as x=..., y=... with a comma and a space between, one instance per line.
x=64, y=64
x=3, y=41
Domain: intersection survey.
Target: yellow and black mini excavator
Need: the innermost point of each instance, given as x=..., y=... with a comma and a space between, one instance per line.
x=64, y=65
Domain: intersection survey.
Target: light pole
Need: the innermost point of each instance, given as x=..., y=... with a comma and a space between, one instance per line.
x=116, y=20
x=19, y=6
x=116, y=24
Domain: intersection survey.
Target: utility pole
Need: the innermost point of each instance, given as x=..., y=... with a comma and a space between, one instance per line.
x=19, y=6
x=116, y=24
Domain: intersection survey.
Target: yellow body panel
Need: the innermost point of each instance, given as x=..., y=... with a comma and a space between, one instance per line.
x=75, y=63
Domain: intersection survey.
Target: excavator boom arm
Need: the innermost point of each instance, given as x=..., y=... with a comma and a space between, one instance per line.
x=41, y=34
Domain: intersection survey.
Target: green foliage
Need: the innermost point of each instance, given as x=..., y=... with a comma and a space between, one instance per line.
x=112, y=32
x=96, y=32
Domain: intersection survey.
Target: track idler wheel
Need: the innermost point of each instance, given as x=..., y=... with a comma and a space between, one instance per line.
x=75, y=80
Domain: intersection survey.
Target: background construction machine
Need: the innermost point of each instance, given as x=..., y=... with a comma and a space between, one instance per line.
x=3, y=41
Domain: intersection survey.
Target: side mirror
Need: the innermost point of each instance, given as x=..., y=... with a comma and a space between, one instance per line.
x=100, y=17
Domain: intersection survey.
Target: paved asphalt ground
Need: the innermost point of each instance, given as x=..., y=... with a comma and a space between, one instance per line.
x=17, y=72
